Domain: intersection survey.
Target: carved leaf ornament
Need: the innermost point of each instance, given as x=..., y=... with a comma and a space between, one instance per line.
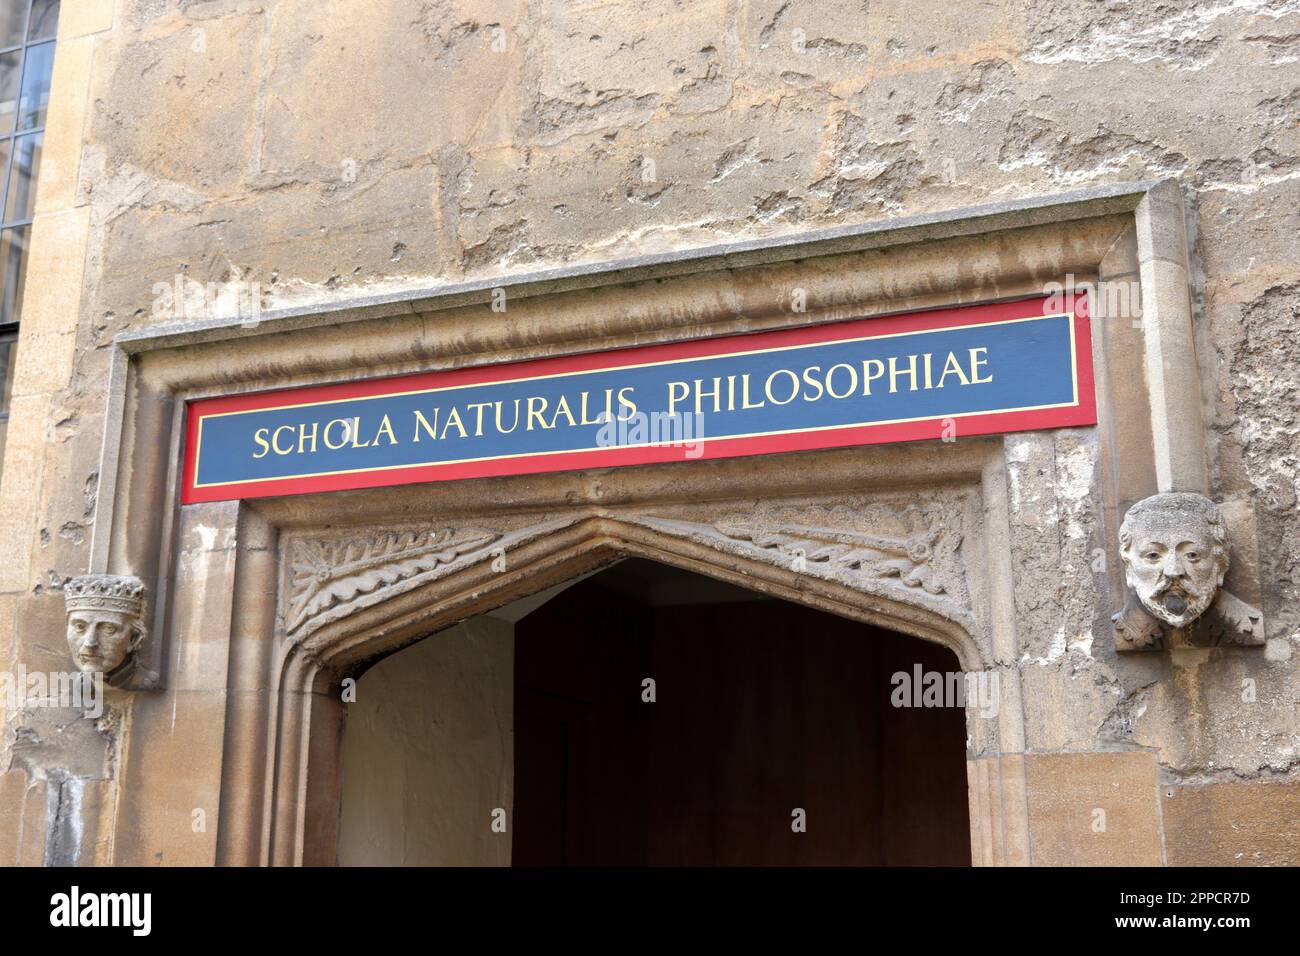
x=324, y=573
x=906, y=558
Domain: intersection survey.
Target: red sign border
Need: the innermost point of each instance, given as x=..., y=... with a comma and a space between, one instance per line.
x=1083, y=413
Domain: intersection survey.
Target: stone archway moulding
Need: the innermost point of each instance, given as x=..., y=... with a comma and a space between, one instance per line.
x=257, y=609
x=847, y=538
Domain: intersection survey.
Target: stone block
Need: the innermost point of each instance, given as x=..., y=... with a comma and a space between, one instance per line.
x=184, y=112
x=51, y=302
x=79, y=18
x=1093, y=809
x=20, y=476
x=65, y=125
x=23, y=813
x=175, y=752
x=452, y=71
x=1232, y=824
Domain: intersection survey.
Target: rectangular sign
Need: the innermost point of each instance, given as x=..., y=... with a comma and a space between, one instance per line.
x=946, y=373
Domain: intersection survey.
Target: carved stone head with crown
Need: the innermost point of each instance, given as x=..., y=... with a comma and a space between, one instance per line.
x=105, y=620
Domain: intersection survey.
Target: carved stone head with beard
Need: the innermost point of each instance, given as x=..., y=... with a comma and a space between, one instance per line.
x=1174, y=548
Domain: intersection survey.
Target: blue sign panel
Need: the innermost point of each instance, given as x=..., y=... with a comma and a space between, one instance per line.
x=993, y=368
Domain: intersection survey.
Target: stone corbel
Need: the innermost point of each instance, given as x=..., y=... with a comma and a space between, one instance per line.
x=1191, y=567
x=105, y=630
x=1177, y=549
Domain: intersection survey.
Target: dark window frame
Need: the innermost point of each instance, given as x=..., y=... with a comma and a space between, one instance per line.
x=8, y=333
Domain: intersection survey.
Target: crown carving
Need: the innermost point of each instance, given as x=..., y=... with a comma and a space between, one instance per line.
x=115, y=592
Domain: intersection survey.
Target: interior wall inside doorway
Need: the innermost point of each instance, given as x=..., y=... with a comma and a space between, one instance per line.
x=428, y=752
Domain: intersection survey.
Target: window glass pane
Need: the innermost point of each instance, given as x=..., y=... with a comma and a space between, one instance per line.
x=4, y=167
x=13, y=16
x=13, y=263
x=10, y=66
x=21, y=198
x=45, y=20
x=36, y=86
x=8, y=347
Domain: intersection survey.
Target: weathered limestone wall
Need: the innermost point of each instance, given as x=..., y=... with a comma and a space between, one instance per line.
x=57, y=770
x=316, y=150
x=429, y=745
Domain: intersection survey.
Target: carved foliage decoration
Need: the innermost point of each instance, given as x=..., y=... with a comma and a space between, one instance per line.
x=906, y=558
x=877, y=542
x=876, y=546
x=325, y=573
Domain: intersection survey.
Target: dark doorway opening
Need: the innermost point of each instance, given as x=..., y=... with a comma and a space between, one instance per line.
x=762, y=708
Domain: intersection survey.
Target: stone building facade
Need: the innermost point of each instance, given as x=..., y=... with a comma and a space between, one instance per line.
x=242, y=195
